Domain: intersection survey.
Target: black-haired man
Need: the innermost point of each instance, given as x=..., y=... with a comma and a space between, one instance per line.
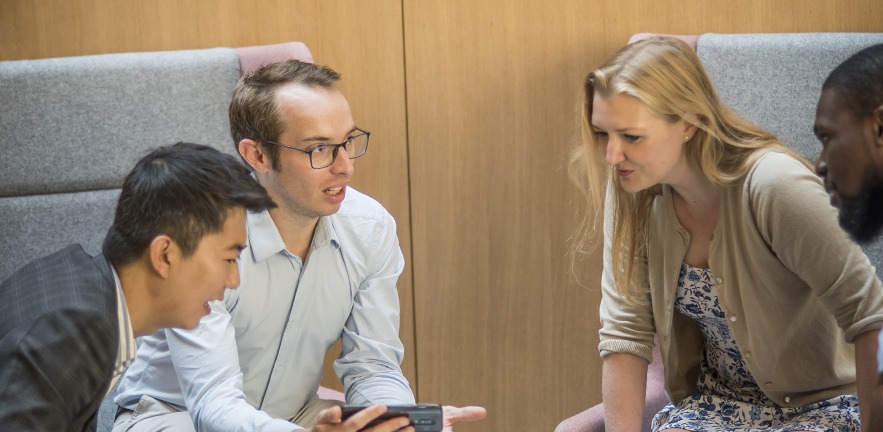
x=69, y=322
x=849, y=124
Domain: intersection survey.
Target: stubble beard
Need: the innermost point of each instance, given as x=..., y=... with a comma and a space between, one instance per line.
x=862, y=216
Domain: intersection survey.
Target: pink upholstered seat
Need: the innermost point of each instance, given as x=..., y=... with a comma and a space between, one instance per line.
x=689, y=39
x=253, y=57
x=592, y=419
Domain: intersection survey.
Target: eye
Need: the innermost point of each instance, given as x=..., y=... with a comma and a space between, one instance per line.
x=631, y=138
x=321, y=149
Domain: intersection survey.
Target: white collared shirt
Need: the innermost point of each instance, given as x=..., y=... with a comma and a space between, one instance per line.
x=127, y=346
x=257, y=359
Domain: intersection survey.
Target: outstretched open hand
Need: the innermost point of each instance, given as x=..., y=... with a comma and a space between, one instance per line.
x=452, y=414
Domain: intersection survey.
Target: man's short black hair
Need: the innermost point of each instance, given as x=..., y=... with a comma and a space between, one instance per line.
x=184, y=191
x=859, y=81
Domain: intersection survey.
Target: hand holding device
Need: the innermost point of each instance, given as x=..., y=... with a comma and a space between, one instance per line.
x=424, y=417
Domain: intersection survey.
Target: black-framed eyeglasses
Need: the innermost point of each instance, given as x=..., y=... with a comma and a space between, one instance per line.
x=322, y=156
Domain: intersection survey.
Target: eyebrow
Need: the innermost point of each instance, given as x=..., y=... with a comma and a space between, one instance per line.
x=819, y=126
x=324, y=138
x=237, y=247
x=626, y=129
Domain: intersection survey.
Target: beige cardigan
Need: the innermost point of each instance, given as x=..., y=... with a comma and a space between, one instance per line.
x=794, y=288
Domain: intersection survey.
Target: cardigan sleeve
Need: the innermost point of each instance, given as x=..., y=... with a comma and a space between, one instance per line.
x=626, y=325
x=794, y=216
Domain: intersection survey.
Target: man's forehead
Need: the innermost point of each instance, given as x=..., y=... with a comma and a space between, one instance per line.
x=830, y=106
x=298, y=91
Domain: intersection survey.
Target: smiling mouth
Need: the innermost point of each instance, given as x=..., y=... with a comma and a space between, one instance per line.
x=333, y=191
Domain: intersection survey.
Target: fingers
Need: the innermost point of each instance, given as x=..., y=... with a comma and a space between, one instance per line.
x=359, y=421
x=398, y=424
x=456, y=414
x=329, y=415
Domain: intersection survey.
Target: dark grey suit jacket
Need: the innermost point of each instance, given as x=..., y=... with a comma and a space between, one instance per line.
x=58, y=342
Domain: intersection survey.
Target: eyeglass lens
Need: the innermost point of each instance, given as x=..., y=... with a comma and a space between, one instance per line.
x=324, y=156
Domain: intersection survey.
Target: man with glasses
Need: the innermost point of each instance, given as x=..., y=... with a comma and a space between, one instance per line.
x=322, y=266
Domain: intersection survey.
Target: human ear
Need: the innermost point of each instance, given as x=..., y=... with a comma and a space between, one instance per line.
x=162, y=250
x=877, y=124
x=690, y=122
x=254, y=155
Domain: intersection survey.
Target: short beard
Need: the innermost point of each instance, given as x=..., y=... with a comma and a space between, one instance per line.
x=862, y=216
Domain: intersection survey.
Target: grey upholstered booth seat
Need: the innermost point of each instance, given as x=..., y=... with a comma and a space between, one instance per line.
x=775, y=81
x=71, y=128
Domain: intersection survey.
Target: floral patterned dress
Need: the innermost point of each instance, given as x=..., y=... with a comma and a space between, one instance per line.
x=728, y=399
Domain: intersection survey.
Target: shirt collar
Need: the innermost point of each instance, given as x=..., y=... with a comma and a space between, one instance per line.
x=265, y=240
x=127, y=348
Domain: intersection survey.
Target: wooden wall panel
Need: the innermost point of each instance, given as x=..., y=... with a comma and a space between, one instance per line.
x=361, y=40
x=493, y=94
x=475, y=154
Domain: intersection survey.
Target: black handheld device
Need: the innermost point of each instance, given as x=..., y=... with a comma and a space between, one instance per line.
x=424, y=417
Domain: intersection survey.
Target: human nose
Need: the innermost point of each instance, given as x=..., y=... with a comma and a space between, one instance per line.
x=821, y=166
x=233, y=276
x=614, y=152
x=342, y=163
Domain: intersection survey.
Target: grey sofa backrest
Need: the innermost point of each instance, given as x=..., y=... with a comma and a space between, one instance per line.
x=775, y=81
x=72, y=128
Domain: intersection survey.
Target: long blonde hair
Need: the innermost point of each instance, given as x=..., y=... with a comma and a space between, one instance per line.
x=666, y=75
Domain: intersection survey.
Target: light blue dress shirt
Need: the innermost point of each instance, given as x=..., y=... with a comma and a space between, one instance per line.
x=257, y=358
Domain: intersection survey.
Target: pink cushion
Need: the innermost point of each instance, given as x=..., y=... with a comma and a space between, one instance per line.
x=330, y=394
x=689, y=39
x=592, y=419
x=253, y=57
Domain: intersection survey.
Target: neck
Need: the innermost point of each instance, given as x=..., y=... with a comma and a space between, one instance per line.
x=296, y=231
x=135, y=281
x=696, y=191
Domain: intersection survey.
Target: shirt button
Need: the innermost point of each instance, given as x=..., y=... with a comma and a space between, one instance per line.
x=787, y=399
x=733, y=318
x=747, y=354
x=718, y=281
x=767, y=384
x=278, y=369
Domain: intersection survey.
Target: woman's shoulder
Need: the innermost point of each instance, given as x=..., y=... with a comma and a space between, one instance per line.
x=776, y=168
x=779, y=178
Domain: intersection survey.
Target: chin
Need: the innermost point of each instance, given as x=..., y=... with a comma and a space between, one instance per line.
x=634, y=188
x=190, y=325
x=328, y=211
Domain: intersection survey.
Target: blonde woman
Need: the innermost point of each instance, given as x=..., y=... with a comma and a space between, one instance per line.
x=719, y=240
